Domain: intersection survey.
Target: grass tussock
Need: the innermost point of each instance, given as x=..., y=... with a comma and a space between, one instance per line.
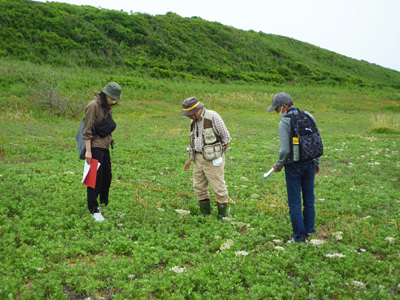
x=386, y=123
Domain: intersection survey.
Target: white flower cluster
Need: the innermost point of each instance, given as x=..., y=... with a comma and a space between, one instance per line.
x=359, y=284
x=227, y=245
x=241, y=224
x=279, y=248
x=160, y=209
x=338, y=235
x=244, y=253
x=389, y=239
x=334, y=255
x=182, y=212
x=178, y=269
x=277, y=241
x=317, y=242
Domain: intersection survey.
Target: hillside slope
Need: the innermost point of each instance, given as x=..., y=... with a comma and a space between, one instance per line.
x=172, y=46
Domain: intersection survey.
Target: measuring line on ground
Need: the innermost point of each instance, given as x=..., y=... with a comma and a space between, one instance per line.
x=272, y=206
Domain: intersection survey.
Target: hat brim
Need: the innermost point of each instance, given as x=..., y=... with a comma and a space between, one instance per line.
x=272, y=108
x=192, y=111
x=114, y=97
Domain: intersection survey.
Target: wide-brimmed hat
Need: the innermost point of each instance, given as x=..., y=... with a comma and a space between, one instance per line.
x=113, y=90
x=190, y=106
x=280, y=99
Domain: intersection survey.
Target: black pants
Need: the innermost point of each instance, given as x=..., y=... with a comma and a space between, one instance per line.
x=103, y=180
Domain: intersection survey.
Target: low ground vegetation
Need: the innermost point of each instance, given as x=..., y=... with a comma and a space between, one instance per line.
x=154, y=242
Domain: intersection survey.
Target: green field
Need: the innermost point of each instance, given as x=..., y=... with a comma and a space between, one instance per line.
x=51, y=247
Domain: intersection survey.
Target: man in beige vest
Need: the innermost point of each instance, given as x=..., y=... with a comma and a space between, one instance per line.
x=209, y=140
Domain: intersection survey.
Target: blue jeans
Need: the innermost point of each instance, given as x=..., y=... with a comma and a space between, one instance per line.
x=300, y=179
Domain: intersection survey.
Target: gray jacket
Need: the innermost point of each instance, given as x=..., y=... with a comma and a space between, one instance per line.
x=284, y=140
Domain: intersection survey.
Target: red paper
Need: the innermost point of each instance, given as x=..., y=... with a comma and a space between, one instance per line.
x=91, y=177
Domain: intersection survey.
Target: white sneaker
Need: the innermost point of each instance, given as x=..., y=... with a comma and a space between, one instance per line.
x=98, y=217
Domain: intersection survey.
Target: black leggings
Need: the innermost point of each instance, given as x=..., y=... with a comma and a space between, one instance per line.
x=103, y=180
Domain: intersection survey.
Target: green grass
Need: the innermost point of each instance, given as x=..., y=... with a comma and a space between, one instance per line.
x=51, y=247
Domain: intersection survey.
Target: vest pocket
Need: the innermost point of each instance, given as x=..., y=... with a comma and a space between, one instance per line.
x=211, y=152
x=209, y=136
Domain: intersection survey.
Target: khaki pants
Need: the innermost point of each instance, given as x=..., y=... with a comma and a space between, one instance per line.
x=205, y=174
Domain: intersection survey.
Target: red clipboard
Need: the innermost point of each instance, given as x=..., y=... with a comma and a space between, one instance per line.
x=91, y=176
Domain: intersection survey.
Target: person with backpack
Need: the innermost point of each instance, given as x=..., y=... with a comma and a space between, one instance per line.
x=209, y=140
x=97, y=128
x=300, y=151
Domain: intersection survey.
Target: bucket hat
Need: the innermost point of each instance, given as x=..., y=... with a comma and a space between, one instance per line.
x=190, y=106
x=113, y=90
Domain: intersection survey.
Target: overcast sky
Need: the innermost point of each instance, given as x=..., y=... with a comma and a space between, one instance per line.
x=362, y=29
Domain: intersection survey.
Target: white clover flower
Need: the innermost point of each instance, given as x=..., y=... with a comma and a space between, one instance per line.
x=363, y=250
x=389, y=239
x=182, y=212
x=277, y=241
x=244, y=253
x=131, y=276
x=359, y=284
x=334, y=255
x=120, y=224
x=317, y=242
x=160, y=209
x=227, y=245
x=321, y=199
x=279, y=248
x=39, y=269
x=227, y=219
x=178, y=269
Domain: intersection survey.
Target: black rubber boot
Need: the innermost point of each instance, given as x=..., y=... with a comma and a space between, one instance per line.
x=205, y=207
x=222, y=210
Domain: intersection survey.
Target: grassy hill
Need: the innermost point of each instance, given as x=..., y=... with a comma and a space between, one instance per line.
x=169, y=46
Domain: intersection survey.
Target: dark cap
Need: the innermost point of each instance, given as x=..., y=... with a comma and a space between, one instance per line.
x=190, y=106
x=280, y=99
